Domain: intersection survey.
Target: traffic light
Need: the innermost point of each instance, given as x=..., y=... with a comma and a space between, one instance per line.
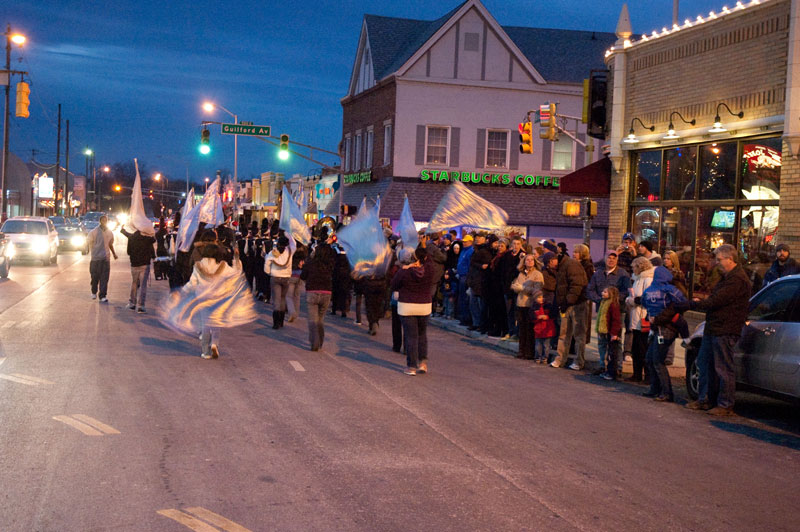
x=595, y=96
x=547, y=119
x=525, y=137
x=23, y=99
x=205, y=141
x=284, y=153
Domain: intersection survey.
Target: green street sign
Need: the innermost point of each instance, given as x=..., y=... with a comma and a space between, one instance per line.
x=242, y=129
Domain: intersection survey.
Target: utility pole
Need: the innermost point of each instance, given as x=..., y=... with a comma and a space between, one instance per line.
x=56, y=205
x=68, y=208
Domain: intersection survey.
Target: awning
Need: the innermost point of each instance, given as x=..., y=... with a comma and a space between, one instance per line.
x=592, y=180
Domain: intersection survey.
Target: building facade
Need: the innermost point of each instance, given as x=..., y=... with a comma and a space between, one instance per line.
x=430, y=102
x=720, y=165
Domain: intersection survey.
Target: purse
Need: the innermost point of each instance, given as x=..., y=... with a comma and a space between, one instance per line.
x=645, y=325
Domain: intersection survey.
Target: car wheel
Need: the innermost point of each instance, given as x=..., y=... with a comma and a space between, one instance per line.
x=4, y=269
x=692, y=373
x=54, y=259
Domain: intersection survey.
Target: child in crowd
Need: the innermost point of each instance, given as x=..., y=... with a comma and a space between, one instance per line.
x=544, y=326
x=609, y=329
x=449, y=290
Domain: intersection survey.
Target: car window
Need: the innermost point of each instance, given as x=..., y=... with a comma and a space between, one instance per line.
x=25, y=226
x=774, y=303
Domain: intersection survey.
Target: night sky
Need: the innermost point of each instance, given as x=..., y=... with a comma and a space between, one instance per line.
x=131, y=76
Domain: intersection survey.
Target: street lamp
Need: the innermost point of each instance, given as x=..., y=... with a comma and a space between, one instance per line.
x=209, y=108
x=89, y=154
x=206, y=184
x=19, y=40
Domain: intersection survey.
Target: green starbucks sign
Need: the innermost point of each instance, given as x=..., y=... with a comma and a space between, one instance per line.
x=488, y=178
x=363, y=177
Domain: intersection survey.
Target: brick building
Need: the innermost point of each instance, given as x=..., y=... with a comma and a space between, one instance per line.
x=433, y=101
x=702, y=185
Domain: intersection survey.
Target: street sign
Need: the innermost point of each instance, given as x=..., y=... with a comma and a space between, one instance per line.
x=242, y=129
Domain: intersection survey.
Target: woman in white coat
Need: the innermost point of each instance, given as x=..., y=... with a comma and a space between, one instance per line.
x=642, y=279
x=278, y=264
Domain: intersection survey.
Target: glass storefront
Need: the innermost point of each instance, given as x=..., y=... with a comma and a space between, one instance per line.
x=691, y=199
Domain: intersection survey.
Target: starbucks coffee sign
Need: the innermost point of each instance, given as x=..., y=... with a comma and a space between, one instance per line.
x=489, y=178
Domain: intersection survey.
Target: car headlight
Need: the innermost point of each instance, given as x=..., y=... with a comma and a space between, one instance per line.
x=122, y=218
x=41, y=247
x=10, y=250
x=112, y=225
x=77, y=240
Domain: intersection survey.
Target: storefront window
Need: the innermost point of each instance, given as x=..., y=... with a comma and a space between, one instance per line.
x=677, y=229
x=715, y=226
x=761, y=169
x=646, y=222
x=647, y=168
x=758, y=227
x=718, y=170
x=680, y=167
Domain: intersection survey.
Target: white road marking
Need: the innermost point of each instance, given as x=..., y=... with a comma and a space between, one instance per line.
x=187, y=520
x=37, y=380
x=297, y=365
x=8, y=324
x=217, y=520
x=24, y=324
x=2, y=359
x=17, y=379
x=108, y=429
x=83, y=427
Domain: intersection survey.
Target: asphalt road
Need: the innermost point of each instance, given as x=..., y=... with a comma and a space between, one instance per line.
x=108, y=421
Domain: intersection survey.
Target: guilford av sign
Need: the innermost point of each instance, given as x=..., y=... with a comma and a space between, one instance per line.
x=488, y=178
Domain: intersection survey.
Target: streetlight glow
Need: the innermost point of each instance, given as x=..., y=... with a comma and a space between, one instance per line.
x=157, y=177
x=18, y=38
x=106, y=169
x=208, y=107
x=87, y=152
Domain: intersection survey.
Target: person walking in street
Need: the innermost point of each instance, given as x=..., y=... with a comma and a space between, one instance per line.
x=609, y=332
x=342, y=282
x=659, y=299
x=101, y=246
x=571, y=285
x=637, y=316
x=413, y=285
x=317, y=273
x=783, y=265
x=616, y=277
x=528, y=282
x=141, y=253
x=279, y=264
x=296, y=284
x=374, y=288
x=462, y=273
x=726, y=312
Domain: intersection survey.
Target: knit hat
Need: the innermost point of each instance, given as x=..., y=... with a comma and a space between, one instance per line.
x=536, y=293
x=549, y=244
x=547, y=257
x=782, y=247
x=491, y=239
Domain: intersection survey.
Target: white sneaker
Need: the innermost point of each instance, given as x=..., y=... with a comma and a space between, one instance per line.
x=131, y=306
x=103, y=300
x=94, y=296
x=575, y=367
x=554, y=364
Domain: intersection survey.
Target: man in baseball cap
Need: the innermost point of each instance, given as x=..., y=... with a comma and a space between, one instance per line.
x=783, y=265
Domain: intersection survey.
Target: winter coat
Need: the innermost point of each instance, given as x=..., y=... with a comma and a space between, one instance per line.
x=588, y=268
x=544, y=328
x=509, y=266
x=571, y=283
x=476, y=279
x=549, y=285
x=438, y=258
x=613, y=319
x=464, y=259
x=635, y=310
x=414, y=284
x=601, y=279
x=661, y=293
x=525, y=285
x=778, y=270
x=727, y=306
x=453, y=251
x=140, y=248
x=318, y=269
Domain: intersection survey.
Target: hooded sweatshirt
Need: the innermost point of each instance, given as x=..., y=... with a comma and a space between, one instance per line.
x=661, y=293
x=637, y=312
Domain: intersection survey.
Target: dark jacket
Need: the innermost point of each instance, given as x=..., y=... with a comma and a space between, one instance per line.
x=619, y=279
x=453, y=251
x=570, y=284
x=549, y=286
x=140, y=248
x=438, y=257
x=476, y=279
x=509, y=266
x=727, y=306
x=318, y=269
x=414, y=284
x=162, y=242
x=778, y=270
x=203, y=250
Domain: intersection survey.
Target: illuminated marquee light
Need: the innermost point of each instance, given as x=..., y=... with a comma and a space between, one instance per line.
x=488, y=178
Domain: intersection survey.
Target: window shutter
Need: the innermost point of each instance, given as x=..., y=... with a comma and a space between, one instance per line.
x=455, y=138
x=480, y=150
x=581, y=153
x=419, y=160
x=547, y=153
x=513, y=145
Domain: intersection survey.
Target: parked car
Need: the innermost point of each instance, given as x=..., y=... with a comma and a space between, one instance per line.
x=34, y=238
x=6, y=255
x=767, y=357
x=59, y=220
x=72, y=238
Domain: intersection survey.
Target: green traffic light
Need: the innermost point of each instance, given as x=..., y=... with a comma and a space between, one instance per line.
x=283, y=155
x=205, y=149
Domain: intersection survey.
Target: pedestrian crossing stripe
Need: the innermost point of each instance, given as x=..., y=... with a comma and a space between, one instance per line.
x=195, y=523
x=296, y=365
x=24, y=379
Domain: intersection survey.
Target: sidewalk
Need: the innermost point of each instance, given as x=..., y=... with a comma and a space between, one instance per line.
x=676, y=370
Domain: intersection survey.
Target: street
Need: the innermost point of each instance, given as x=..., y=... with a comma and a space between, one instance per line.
x=109, y=421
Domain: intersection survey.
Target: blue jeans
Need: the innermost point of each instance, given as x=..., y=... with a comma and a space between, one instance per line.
x=317, y=303
x=449, y=306
x=464, y=315
x=609, y=351
x=541, y=349
x=476, y=304
x=716, y=369
x=660, y=383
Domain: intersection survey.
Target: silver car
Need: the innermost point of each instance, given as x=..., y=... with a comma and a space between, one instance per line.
x=767, y=357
